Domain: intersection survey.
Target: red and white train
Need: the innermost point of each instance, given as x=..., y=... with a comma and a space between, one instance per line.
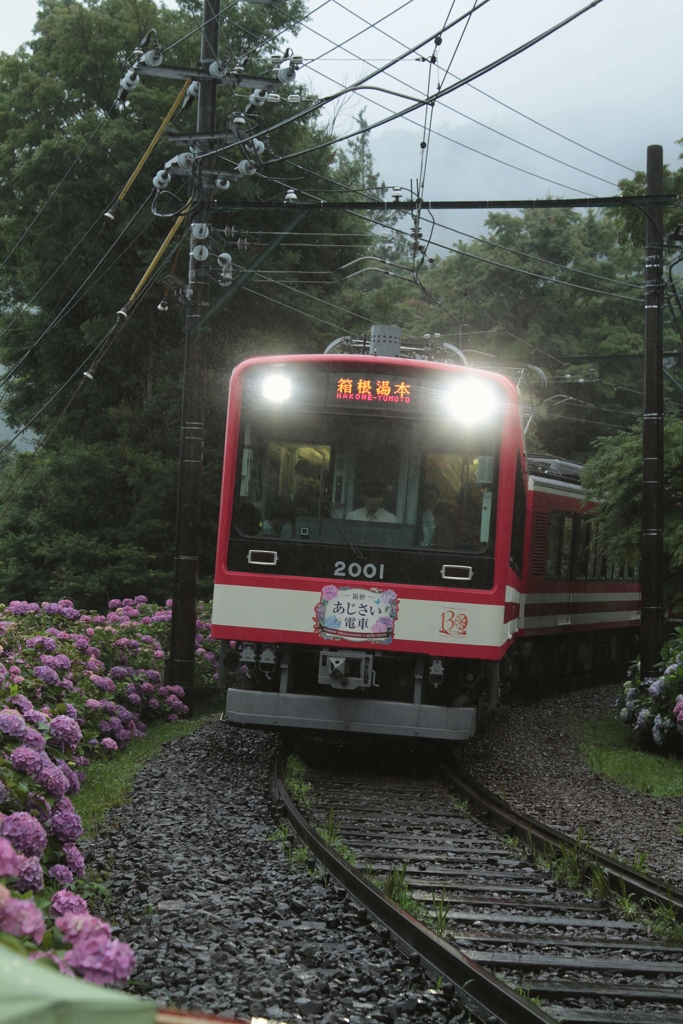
x=389, y=556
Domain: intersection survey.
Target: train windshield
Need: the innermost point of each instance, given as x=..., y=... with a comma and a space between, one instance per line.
x=347, y=476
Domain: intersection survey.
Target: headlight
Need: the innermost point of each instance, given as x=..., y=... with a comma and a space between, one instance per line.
x=471, y=400
x=277, y=388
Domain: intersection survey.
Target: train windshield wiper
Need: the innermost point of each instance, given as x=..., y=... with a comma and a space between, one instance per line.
x=338, y=522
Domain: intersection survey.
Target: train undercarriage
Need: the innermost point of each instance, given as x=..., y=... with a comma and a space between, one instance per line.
x=404, y=694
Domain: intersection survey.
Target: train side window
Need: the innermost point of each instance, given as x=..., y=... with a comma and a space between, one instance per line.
x=583, y=547
x=553, y=551
x=518, y=520
x=566, y=550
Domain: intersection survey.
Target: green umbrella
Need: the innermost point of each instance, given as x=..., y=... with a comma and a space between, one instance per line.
x=31, y=993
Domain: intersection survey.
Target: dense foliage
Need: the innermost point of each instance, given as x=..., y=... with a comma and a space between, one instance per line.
x=95, y=514
x=75, y=687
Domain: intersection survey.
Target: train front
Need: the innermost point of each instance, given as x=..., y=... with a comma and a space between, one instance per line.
x=363, y=578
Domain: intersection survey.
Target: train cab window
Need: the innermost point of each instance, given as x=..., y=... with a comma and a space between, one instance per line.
x=349, y=478
x=518, y=520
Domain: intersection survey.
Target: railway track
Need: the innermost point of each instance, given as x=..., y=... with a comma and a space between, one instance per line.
x=488, y=914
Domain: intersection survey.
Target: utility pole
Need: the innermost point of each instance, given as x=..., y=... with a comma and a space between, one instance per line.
x=652, y=551
x=186, y=562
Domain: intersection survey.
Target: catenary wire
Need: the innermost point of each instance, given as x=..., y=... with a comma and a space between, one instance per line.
x=402, y=113
x=49, y=199
x=507, y=106
x=92, y=359
x=74, y=298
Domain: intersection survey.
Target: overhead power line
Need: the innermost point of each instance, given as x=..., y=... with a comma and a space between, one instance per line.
x=507, y=106
x=479, y=73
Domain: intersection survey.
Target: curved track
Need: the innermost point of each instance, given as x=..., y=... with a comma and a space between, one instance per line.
x=518, y=947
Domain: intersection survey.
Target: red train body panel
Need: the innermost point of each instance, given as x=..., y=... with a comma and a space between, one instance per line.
x=403, y=614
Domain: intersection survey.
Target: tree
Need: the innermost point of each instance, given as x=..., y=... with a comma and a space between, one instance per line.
x=95, y=512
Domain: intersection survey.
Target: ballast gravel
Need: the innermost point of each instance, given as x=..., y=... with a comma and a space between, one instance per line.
x=222, y=921
x=530, y=756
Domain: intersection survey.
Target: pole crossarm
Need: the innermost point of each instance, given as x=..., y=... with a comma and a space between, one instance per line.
x=409, y=205
x=203, y=75
x=239, y=284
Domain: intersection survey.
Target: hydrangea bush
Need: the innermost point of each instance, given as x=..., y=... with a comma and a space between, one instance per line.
x=654, y=706
x=74, y=687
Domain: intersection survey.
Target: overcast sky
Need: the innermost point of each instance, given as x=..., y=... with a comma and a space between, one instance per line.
x=612, y=80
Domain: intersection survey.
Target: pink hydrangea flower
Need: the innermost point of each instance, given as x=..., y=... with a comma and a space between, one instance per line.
x=80, y=924
x=29, y=876
x=66, y=902
x=109, y=744
x=10, y=860
x=20, y=918
x=101, y=960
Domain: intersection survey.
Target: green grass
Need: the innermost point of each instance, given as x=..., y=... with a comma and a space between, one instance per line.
x=295, y=781
x=610, y=749
x=109, y=782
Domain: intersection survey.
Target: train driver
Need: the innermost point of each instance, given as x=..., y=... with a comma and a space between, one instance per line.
x=430, y=496
x=372, y=492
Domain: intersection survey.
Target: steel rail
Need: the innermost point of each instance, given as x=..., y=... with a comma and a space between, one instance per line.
x=622, y=878
x=476, y=988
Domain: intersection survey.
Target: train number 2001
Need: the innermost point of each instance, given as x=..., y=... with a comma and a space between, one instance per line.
x=354, y=569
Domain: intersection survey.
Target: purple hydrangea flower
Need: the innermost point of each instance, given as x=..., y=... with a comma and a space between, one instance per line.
x=25, y=833
x=153, y=703
x=61, y=874
x=20, y=702
x=109, y=744
x=37, y=802
x=48, y=644
x=120, y=672
x=65, y=730
x=46, y=675
x=66, y=826
x=75, y=925
x=74, y=783
x=65, y=902
x=21, y=918
x=100, y=959
x=30, y=875
x=74, y=859
x=50, y=776
x=655, y=689
x=103, y=683
x=141, y=599
x=114, y=603
x=35, y=717
x=34, y=739
x=12, y=724
x=10, y=860
x=24, y=759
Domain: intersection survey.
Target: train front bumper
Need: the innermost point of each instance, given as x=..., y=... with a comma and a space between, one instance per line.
x=342, y=714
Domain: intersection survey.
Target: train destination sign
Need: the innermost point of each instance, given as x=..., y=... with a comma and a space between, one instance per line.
x=361, y=390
